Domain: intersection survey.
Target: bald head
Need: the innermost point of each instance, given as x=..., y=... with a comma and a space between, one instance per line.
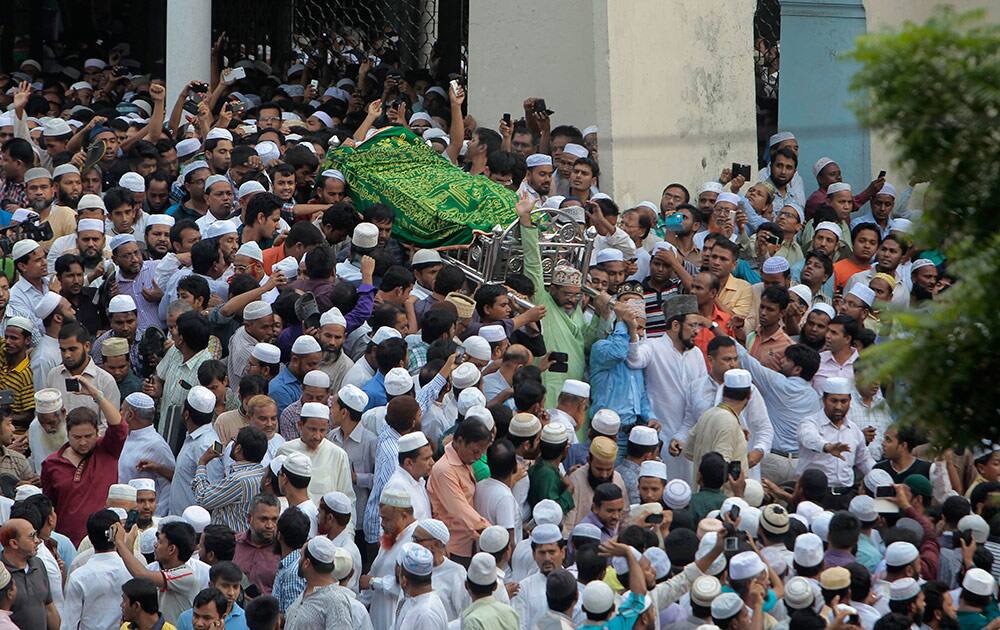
x=517, y=353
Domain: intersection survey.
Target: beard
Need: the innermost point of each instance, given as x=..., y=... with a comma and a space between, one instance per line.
x=39, y=205
x=91, y=260
x=332, y=354
x=816, y=344
x=68, y=200
x=921, y=294
x=51, y=442
x=948, y=623
x=594, y=481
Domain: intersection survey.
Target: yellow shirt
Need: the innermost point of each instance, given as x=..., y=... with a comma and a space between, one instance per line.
x=166, y=626
x=737, y=296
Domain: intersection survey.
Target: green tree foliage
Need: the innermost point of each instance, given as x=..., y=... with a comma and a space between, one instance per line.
x=933, y=89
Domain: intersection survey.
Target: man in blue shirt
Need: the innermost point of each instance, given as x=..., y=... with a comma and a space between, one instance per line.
x=225, y=577
x=389, y=354
x=286, y=388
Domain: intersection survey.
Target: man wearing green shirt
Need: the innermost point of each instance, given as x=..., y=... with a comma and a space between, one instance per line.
x=544, y=478
x=711, y=476
x=485, y=612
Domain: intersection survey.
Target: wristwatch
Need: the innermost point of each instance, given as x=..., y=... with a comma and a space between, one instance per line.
x=713, y=326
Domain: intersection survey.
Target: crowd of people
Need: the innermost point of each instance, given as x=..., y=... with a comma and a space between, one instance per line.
x=231, y=398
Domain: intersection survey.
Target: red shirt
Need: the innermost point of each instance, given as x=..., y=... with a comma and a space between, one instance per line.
x=79, y=491
x=705, y=335
x=259, y=563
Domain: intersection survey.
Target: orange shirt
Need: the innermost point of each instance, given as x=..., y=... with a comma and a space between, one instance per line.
x=842, y=271
x=705, y=335
x=273, y=255
x=452, y=487
x=769, y=350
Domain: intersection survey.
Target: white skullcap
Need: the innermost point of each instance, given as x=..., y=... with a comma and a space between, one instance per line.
x=606, y=422
x=90, y=202
x=133, y=182
x=837, y=187
x=744, y=565
x=753, y=493
x=143, y=484
x=48, y=400
x=322, y=549
x=704, y=590
x=524, y=425
x=469, y=398
x=160, y=219
x=186, y=147
x=266, y=353
x=803, y=292
x=465, y=375
x=147, y=540
x=121, y=492
x=306, y=344
x=337, y=502
x=220, y=228
x=201, y=399
x=574, y=387
x=554, y=433
x=250, y=187
x=353, y=397
x=288, y=266
x=197, y=517
x=64, y=169
x=493, y=539
x=887, y=189
x=315, y=410
x=256, y=310
x=323, y=117
x=808, y=550
x=977, y=525
x=920, y=263
x=979, y=582
x=483, y=568
x=900, y=554
x=547, y=511
x=820, y=164
x=343, y=563
x=726, y=605
x=598, y=598
x=807, y=510
x=575, y=149
x=417, y=559
x=482, y=414
x=90, y=225
x=589, y=130
x=120, y=239
x=538, y=159
x=411, y=442
x=824, y=308
x=653, y=468
x=47, y=304
x=332, y=173
x=426, y=257
x=119, y=512
x=316, y=378
x=837, y=385
x=775, y=264
x=779, y=137
x=493, y=333
x=55, y=127
x=385, y=332
x=903, y=589
x=477, y=348
x=25, y=491
x=298, y=464
x=863, y=507
x=121, y=303
x=799, y=593
x=610, y=254
x=715, y=187
x=20, y=322
x=398, y=381
x=728, y=197
x=365, y=236
x=333, y=317
x=677, y=494
x=901, y=225
x=832, y=227
x=863, y=292
x=268, y=151
x=139, y=400
x=820, y=525
x=277, y=463
x=437, y=529
x=395, y=495
x=554, y=202
x=215, y=179
x=642, y=435
x=436, y=134
x=546, y=534
x=737, y=379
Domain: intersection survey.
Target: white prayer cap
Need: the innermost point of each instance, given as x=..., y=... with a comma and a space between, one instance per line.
x=215, y=179
x=20, y=322
x=346, y=81
x=820, y=525
x=386, y=332
x=121, y=303
x=920, y=263
x=606, y=422
x=395, y=495
x=417, y=559
x=25, y=491
x=411, y=442
x=306, y=344
x=610, y=254
x=94, y=63
x=55, y=127
x=524, y=425
x=807, y=510
x=161, y=219
x=803, y=292
x=287, y=266
x=220, y=228
x=323, y=117
x=977, y=525
x=903, y=589
x=36, y=173
x=837, y=187
x=365, y=236
x=315, y=410
x=901, y=225
x=863, y=292
x=979, y=582
x=589, y=130
x=64, y=169
x=90, y=225
x=744, y=565
x=538, y=159
x=426, y=257
x=726, y=605
x=321, y=549
x=48, y=400
x=483, y=568
x=333, y=317
x=641, y=435
x=133, y=182
x=737, y=379
x=398, y=381
x=121, y=492
x=493, y=333
x=554, y=433
x=753, y=494
x=575, y=149
x=266, y=353
x=863, y=507
x=775, y=264
x=824, y=308
x=547, y=511
x=774, y=519
x=297, y=464
x=81, y=85
x=337, y=502
x=465, y=375
x=23, y=214
x=437, y=529
x=353, y=397
x=268, y=152
x=317, y=378
x=482, y=414
x=705, y=589
x=197, y=517
x=837, y=385
x=47, y=304
x=493, y=539
x=728, y=197
x=469, y=398
x=436, y=134
x=120, y=239
x=119, y=512
x=820, y=164
x=192, y=167
x=780, y=137
x=574, y=387
x=715, y=187
x=186, y=147
x=677, y=494
x=250, y=187
x=201, y=399
x=900, y=554
x=808, y=550
x=598, y=598
x=546, y=534
x=424, y=116
x=257, y=309
x=89, y=202
x=277, y=463
x=832, y=227
x=653, y=468
x=147, y=540
x=477, y=348
x=586, y=530
x=143, y=484
x=343, y=563
x=554, y=201
x=887, y=189
x=139, y=400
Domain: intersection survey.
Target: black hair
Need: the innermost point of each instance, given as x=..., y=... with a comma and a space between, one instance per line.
x=262, y=204
x=485, y=295
x=902, y=606
x=396, y=277
x=76, y=330
x=850, y=325
x=196, y=286
x=449, y=280
x=210, y=371
x=681, y=544
x=590, y=564
x=303, y=233
x=606, y=492
x=389, y=354
x=807, y=619
x=320, y=263
x=227, y=571
x=595, y=170
x=299, y=156
x=472, y=432
x=384, y=314
x=142, y=591
x=772, y=228
x=712, y=469
x=211, y=596
x=861, y=227
x=219, y=540
x=934, y=594
x=720, y=342
x=251, y=385
x=181, y=535
x=262, y=613
x=910, y=434
x=64, y=262
x=204, y=254
x=954, y=508
x=861, y=581
x=293, y=527
x=177, y=229
x=502, y=162
x=814, y=485
x=788, y=153
x=19, y=150
x=501, y=459
x=844, y=530
x=300, y=482
x=804, y=357
x=776, y=295
x=98, y=524
x=435, y=324
x=527, y=393
x=117, y=196
x=379, y=213
x=194, y=329
x=560, y=590
x=28, y=513
x=253, y=441
x=341, y=216
x=490, y=138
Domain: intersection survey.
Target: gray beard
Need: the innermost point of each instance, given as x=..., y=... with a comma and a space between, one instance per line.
x=52, y=442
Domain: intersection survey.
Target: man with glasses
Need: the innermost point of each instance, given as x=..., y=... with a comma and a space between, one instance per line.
x=33, y=607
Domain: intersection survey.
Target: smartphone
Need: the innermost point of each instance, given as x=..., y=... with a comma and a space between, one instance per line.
x=506, y=118
x=654, y=519
x=72, y=385
x=252, y=591
x=885, y=491
x=854, y=620
x=455, y=85
x=732, y=217
x=741, y=169
x=540, y=105
x=234, y=75
x=312, y=321
x=735, y=468
x=217, y=447
x=732, y=543
x=199, y=87
x=734, y=512
x=131, y=519
x=966, y=537
x=558, y=357
x=560, y=367
x=881, y=174
x=314, y=84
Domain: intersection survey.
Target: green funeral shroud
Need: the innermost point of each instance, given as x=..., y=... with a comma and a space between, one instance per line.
x=437, y=203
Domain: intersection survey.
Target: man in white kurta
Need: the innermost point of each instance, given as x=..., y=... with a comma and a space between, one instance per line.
x=146, y=454
x=411, y=476
x=448, y=577
x=94, y=593
x=830, y=442
x=331, y=470
x=672, y=364
x=380, y=590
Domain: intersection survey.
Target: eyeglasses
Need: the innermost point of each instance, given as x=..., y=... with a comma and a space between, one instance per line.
x=270, y=119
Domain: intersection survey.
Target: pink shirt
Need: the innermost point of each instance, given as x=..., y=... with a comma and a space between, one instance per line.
x=452, y=488
x=5, y=622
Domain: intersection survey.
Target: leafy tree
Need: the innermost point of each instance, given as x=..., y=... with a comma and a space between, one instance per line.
x=932, y=89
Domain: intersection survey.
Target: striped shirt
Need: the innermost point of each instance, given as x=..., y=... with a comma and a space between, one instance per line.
x=386, y=460
x=288, y=585
x=229, y=500
x=19, y=380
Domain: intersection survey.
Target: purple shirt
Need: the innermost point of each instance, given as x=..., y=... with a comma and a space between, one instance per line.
x=838, y=558
x=593, y=520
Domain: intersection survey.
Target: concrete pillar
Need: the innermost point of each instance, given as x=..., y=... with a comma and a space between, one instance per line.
x=189, y=44
x=669, y=82
x=814, y=87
